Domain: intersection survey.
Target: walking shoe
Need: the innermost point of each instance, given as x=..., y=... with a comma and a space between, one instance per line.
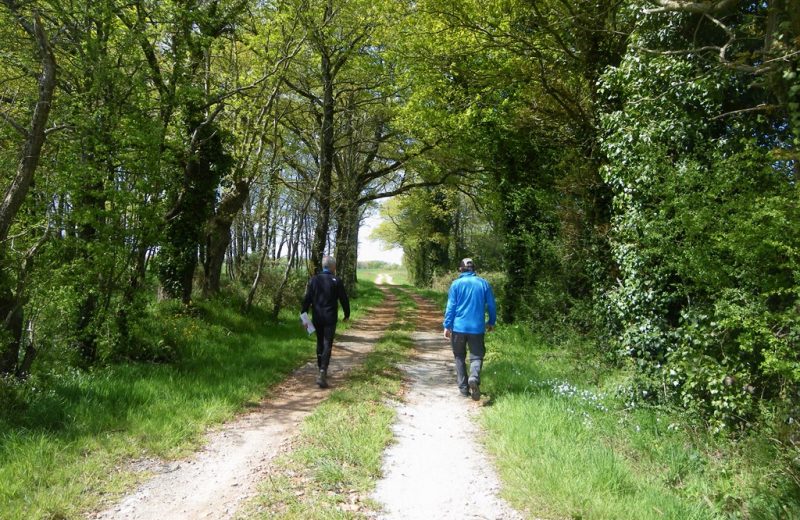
x=464, y=392
x=322, y=379
x=474, y=389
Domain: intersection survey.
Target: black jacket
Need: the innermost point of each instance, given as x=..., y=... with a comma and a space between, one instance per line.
x=323, y=293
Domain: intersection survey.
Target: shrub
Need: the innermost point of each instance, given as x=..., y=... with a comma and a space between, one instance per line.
x=706, y=240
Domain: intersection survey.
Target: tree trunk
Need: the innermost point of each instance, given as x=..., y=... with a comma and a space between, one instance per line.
x=293, y=246
x=327, y=151
x=11, y=302
x=218, y=235
x=35, y=136
x=137, y=274
x=184, y=222
x=251, y=294
x=347, y=245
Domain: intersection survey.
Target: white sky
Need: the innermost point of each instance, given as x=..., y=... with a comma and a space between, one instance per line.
x=373, y=249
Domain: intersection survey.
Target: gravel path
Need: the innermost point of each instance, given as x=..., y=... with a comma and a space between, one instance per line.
x=215, y=481
x=437, y=468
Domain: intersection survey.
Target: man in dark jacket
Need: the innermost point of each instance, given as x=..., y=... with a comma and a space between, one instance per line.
x=323, y=294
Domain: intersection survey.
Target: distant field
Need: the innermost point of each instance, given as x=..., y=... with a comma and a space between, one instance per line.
x=398, y=274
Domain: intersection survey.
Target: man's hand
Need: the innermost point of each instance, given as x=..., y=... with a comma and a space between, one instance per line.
x=447, y=333
x=489, y=328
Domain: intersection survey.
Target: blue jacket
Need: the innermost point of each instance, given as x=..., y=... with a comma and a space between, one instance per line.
x=469, y=298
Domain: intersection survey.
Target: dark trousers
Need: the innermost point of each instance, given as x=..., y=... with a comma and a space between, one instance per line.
x=477, y=350
x=324, y=344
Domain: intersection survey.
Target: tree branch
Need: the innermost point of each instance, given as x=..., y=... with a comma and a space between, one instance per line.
x=16, y=126
x=402, y=189
x=758, y=108
x=18, y=189
x=673, y=6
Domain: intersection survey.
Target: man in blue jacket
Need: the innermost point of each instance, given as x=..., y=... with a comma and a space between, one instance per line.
x=324, y=293
x=469, y=299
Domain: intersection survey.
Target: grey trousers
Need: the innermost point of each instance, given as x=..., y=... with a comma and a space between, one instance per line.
x=477, y=350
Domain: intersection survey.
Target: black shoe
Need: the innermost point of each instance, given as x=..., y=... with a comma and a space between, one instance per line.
x=322, y=379
x=464, y=392
x=474, y=389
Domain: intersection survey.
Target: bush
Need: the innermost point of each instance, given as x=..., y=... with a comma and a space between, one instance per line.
x=271, y=278
x=706, y=238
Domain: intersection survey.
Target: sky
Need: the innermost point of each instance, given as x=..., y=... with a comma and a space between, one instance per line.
x=374, y=249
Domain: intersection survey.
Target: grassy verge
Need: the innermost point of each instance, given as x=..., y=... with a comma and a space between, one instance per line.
x=67, y=442
x=567, y=447
x=336, y=460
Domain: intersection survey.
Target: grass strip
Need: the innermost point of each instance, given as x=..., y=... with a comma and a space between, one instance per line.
x=336, y=459
x=569, y=444
x=69, y=440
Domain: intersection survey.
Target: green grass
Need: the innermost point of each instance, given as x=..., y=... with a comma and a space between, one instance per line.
x=399, y=274
x=567, y=447
x=336, y=460
x=66, y=444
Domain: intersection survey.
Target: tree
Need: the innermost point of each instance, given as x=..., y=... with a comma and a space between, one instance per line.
x=344, y=120
x=520, y=83
x=256, y=119
x=12, y=292
x=704, y=201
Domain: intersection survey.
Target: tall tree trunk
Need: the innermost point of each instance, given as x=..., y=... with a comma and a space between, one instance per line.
x=293, y=247
x=11, y=301
x=137, y=273
x=327, y=151
x=347, y=244
x=218, y=235
x=203, y=168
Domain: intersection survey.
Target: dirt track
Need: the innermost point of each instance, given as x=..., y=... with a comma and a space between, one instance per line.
x=216, y=480
x=436, y=469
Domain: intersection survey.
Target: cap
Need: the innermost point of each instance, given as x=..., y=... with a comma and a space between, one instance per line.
x=467, y=264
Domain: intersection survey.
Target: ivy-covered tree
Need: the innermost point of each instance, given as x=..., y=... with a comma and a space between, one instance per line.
x=705, y=209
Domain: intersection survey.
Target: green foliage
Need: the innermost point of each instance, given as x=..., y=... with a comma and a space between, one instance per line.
x=269, y=284
x=436, y=228
x=705, y=240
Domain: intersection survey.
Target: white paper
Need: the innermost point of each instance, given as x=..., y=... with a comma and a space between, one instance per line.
x=307, y=323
